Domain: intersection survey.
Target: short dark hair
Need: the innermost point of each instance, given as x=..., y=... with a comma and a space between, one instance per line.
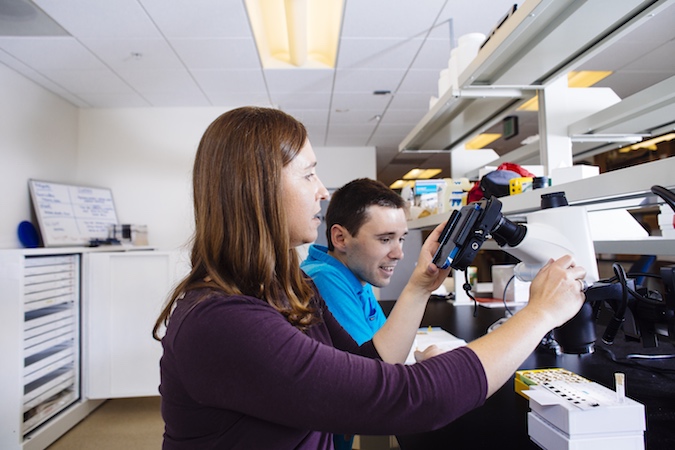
x=348, y=204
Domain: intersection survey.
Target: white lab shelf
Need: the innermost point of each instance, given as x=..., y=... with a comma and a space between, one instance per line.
x=625, y=188
x=542, y=41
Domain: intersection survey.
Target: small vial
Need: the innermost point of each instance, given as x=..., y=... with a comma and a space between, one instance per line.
x=620, y=383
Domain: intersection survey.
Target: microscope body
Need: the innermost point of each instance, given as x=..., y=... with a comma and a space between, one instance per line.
x=556, y=230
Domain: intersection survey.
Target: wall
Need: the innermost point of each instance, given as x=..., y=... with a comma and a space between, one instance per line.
x=143, y=154
x=339, y=165
x=38, y=139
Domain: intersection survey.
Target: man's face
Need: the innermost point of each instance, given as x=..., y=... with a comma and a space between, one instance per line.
x=373, y=253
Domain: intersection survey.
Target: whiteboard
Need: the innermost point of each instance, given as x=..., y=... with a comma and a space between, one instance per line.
x=72, y=215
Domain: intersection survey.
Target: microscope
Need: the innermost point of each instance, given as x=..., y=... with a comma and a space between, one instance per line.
x=553, y=231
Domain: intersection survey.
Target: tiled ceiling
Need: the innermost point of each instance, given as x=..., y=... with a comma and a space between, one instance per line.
x=179, y=53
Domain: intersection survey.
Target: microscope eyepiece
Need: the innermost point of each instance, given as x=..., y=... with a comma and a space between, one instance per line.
x=507, y=232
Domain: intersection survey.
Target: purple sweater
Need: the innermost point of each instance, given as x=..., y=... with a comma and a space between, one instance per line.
x=236, y=375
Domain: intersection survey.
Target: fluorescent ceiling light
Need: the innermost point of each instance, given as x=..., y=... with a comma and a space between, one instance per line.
x=481, y=141
x=421, y=174
x=296, y=33
x=580, y=79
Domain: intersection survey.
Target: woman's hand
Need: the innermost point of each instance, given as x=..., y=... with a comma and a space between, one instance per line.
x=556, y=290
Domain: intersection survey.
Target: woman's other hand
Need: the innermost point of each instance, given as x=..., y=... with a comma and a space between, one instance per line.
x=556, y=290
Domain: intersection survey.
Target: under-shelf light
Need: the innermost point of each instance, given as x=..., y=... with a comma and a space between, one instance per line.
x=580, y=79
x=649, y=144
x=481, y=141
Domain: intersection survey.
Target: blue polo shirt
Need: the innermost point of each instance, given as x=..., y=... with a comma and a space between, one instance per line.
x=353, y=304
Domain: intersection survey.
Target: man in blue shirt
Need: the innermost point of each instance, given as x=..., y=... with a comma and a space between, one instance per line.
x=365, y=229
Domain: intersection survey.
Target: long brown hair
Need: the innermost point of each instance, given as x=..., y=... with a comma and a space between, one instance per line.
x=241, y=243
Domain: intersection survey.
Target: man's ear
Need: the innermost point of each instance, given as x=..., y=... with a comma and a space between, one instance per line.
x=338, y=235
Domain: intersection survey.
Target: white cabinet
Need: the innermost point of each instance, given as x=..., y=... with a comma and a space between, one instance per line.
x=51, y=335
x=76, y=329
x=40, y=345
x=124, y=294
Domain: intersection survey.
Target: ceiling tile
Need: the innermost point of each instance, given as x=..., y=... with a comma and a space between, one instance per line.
x=356, y=116
x=314, y=117
x=408, y=117
x=390, y=18
x=475, y=16
x=407, y=100
x=232, y=81
x=337, y=140
x=85, y=18
x=114, y=100
x=219, y=53
x=120, y=54
x=151, y=80
x=434, y=54
x=182, y=98
x=299, y=81
x=311, y=100
x=51, y=53
x=420, y=81
x=88, y=81
x=389, y=135
x=360, y=53
x=235, y=99
x=362, y=80
x=199, y=18
x=361, y=129
x=361, y=100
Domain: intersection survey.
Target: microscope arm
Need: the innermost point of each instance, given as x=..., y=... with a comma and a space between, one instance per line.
x=552, y=233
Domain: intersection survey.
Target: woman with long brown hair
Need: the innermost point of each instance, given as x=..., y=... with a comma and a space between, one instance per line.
x=252, y=357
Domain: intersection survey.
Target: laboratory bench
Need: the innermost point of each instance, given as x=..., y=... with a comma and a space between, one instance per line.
x=502, y=420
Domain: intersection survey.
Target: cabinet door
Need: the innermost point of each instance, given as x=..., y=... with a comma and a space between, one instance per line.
x=123, y=295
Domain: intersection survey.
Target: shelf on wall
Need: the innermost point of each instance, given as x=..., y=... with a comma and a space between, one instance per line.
x=458, y=115
x=541, y=41
x=545, y=39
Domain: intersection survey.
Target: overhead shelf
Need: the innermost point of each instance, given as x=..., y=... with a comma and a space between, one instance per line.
x=545, y=39
x=642, y=113
x=458, y=115
x=541, y=41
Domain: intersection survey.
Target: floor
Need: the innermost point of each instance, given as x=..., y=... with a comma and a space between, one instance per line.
x=136, y=424
x=118, y=424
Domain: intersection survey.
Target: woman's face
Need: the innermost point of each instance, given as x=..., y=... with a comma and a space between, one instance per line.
x=302, y=192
